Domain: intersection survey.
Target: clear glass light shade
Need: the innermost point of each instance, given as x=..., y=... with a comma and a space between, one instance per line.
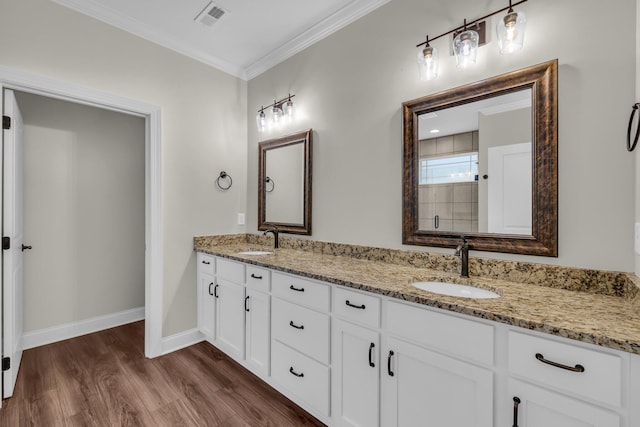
x=288, y=109
x=276, y=114
x=510, y=31
x=465, y=48
x=428, y=63
x=261, y=121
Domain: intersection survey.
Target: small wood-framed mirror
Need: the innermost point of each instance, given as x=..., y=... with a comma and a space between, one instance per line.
x=284, y=183
x=455, y=170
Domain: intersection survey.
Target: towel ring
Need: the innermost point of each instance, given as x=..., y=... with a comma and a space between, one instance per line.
x=273, y=184
x=630, y=146
x=224, y=175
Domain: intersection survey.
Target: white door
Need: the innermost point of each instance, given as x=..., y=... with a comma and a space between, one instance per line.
x=356, y=378
x=542, y=408
x=509, y=190
x=12, y=228
x=423, y=388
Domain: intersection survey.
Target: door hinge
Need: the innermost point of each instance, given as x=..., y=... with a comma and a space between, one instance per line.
x=6, y=122
x=6, y=363
x=6, y=243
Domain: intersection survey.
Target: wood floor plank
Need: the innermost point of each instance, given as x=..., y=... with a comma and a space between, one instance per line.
x=104, y=380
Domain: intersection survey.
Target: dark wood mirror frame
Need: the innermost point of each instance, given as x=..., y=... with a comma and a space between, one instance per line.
x=297, y=138
x=542, y=79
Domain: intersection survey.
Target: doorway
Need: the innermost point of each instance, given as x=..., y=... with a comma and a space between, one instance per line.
x=32, y=84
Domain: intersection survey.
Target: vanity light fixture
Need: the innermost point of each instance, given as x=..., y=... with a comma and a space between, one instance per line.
x=280, y=110
x=469, y=36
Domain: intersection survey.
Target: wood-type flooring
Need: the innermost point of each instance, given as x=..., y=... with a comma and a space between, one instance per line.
x=103, y=379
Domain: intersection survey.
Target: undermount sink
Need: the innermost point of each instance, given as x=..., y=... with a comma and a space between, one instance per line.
x=255, y=253
x=455, y=290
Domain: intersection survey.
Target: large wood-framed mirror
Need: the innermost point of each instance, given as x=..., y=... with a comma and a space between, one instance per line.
x=480, y=161
x=284, y=183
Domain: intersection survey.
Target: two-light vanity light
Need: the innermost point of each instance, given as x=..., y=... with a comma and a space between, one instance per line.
x=280, y=111
x=510, y=31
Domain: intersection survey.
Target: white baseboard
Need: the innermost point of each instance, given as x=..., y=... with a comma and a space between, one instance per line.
x=181, y=340
x=75, y=329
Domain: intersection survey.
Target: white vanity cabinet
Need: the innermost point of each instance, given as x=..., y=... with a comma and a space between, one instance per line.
x=356, y=365
x=559, y=383
x=257, y=306
x=206, y=301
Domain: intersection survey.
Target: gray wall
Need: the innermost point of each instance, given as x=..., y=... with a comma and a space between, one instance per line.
x=84, y=211
x=351, y=86
x=203, y=113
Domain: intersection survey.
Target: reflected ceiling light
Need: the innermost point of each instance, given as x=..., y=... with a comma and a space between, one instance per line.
x=279, y=110
x=434, y=131
x=510, y=31
x=469, y=36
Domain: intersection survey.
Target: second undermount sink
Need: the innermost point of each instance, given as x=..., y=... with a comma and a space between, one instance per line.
x=255, y=253
x=455, y=290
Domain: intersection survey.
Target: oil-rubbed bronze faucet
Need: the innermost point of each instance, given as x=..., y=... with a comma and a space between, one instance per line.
x=274, y=231
x=463, y=252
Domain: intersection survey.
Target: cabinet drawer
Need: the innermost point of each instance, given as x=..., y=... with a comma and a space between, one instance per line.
x=307, y=379
x=258, y=278
x=206, y=263
x=301, y=328
x=357, y=307
x=230, y=270
x=601, y=379
x=465, y=338
x=301, y=291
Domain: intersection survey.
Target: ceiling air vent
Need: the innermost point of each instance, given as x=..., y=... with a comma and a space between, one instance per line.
x=211, y=14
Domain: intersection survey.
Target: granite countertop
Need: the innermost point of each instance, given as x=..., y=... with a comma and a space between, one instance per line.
x=606, y=320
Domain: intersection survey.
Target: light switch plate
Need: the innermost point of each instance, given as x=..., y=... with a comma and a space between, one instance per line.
x=241, y=219
x=636, y=240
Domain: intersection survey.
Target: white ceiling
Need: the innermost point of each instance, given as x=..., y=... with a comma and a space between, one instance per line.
x=250, y=38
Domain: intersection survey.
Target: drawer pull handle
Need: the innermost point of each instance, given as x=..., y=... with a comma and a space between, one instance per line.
x=389, y=371
x=516, y=402
x=362, y=307
x=299, y=375
x=371, y=346
x=210, y=285
x=206, y=262
x=293, y=288
x=577, y=368
x=293, y=325
x=256, y=277
x=215, y=291
x=246, y=300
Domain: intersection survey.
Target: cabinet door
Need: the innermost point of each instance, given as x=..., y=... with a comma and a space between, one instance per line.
x=356, y=378
x=230, y=318
x=539, y=407
x=206, y=305
x=420, y=387
x=257, y=313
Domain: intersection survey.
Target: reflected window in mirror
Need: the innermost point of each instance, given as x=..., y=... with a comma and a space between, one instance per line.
x=284, y=183
x=481, y=162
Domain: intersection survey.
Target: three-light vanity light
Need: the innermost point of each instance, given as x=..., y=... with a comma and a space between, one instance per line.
x=467, y=38
x=280, y=111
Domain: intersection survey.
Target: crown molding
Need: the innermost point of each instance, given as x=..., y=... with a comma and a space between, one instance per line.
x=340, y=19
x=140, y=29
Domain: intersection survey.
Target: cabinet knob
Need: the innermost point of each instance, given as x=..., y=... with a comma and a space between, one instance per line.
x=256, y=277
x=362, y=307
x=389, y=371
x=516, y=402
x=293, y=288
x=371, y=347
x=293, y=325
x=577, y=368
x=299, y=375
x=246, y=300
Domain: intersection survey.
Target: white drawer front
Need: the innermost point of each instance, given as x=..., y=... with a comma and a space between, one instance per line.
x=305, y=378
x=357, y=307
x=601, y=379
x=258, y=278
x=206, y=263
x=465, y=338
x=301, y=328
x=301, y=291
x=230, y=270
